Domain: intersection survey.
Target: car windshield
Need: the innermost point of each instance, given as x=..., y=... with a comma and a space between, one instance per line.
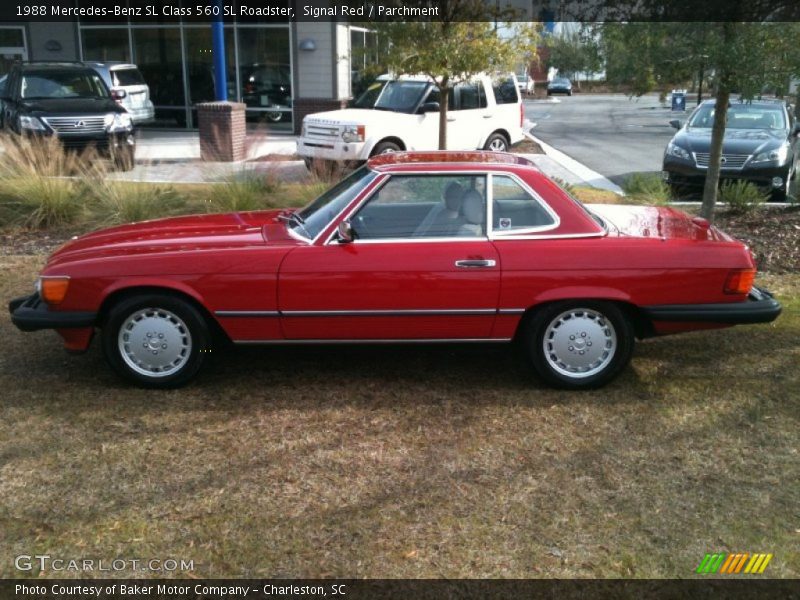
x=561, y=81
x=401, y=96
x=741, y=116
x=317, y=215
x=370, y=95
x=63, y=84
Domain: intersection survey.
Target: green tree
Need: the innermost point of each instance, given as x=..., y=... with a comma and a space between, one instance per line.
x=469, y=38
x=740, y=57
x=574, y=52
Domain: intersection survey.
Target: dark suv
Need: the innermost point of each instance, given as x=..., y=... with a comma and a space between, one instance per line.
x=759, y=146
x=70, y=101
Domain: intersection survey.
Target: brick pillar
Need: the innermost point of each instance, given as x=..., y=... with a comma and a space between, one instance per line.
x=306, y=106
x=222, y=131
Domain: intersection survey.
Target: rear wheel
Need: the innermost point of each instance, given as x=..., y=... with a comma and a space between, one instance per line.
x=155, y=340
x=496, y=142
x=385, y=148
x=579, y=344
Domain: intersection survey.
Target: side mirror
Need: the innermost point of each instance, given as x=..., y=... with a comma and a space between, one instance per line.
x=429, y=107
x=345, y=232
x=118, y=94
x=676, y=123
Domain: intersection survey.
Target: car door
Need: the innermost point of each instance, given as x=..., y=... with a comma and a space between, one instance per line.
x=466, y=121
x=421, y=267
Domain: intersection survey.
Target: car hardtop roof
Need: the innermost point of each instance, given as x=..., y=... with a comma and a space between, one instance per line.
x=447, y=159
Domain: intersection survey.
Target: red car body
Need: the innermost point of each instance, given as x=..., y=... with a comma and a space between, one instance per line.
x=256, y=279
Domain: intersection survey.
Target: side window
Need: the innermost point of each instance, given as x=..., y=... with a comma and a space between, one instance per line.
x=505, y=92
x=435, y=96
x=514, y=208
x=471, y=96
x=419, y=206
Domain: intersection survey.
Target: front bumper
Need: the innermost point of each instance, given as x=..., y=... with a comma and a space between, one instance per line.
x=760, y=307
x=686, y=174
x=31, y=313
x=331, y=149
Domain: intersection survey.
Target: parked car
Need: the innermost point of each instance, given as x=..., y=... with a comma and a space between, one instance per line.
x=126, y=77
x=559, y=85
x=70, y=101
x=411, y=247
x=760, y=145
x=486, y=113
x=525, y=84
x=268, y=86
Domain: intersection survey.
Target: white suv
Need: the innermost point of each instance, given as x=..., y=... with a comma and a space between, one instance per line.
x=484, y=113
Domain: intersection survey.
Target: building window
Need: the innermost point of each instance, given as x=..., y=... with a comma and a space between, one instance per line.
x=265, y=73
x=364, y=59
x=158, y=56
x=104, y=45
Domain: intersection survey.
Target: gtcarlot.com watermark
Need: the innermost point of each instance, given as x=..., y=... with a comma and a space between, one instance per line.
x=45, y=562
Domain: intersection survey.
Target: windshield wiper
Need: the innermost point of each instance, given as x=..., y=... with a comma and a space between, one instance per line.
x=289, y=216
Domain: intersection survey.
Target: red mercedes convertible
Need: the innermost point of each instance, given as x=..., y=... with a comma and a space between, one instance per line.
x=411, y=247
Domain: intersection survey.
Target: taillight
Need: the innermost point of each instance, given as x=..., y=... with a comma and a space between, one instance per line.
x=54, y=289
x=739, y=281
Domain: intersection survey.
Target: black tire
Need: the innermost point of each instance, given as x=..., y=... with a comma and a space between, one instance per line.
x=181, y=331
x=123, y=158
x=498, y=140
x=309, y=162
x=569, y=93
x=385, y=148
x=781, y=194
x=588, y=322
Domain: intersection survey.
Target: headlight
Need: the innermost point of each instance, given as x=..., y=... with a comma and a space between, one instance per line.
x=31, y=123
x=353, y=133
x=677, y=151
x=118, y=121
x=777, y=155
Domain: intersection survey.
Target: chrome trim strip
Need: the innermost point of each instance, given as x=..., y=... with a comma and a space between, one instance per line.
x=510, y=311
x=247, y=313
x=389, y=313
x=557, y=236
x=371, y=342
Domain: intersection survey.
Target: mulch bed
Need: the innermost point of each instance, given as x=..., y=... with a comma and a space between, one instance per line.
x=772, y=233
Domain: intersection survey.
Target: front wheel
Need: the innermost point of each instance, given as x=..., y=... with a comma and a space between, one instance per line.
x=123, y=158
x=155, y=340
x=579, y=344
x=496, y=142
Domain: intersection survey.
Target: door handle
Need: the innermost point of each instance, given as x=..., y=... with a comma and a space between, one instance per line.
x=487, y=116
x=451, y=120
x=471, y=263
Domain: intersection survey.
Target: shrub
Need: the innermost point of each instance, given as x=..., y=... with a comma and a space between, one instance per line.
x=646, y=188
x=246, y=190
x=41, y=185
x=741, y=196
x=118, y=202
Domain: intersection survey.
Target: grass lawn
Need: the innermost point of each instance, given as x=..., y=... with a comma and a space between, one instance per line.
x=411, y=462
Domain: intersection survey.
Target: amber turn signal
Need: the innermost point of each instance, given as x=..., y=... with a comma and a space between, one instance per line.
x=54, y=289
x=739, y=281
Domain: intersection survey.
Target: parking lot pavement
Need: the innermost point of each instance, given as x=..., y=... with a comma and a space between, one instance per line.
x=609, y=133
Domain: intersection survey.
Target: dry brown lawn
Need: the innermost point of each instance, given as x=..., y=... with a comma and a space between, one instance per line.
x=425, y=462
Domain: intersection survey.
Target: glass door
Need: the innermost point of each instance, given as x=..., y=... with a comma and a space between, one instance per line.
x=12, y=47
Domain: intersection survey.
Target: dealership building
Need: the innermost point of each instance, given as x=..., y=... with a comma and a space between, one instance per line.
x=280, y=70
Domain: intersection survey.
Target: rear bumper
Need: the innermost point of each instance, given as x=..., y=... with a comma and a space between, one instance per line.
x=760, y=307
x=31, y=313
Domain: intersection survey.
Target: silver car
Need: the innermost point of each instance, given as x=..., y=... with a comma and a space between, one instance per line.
x=126, y=77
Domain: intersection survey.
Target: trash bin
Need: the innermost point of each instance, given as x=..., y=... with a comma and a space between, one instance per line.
x=678, y=100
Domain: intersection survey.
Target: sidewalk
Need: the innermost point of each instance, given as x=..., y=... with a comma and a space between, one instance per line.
x=173, y=156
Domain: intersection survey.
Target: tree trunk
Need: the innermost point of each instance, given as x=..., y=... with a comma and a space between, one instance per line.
x=714, y=160
x=443, y=99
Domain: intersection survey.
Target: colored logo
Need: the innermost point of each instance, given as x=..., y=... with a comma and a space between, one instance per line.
x=732, y=564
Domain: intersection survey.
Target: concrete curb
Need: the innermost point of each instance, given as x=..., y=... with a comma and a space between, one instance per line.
x=592, y=178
